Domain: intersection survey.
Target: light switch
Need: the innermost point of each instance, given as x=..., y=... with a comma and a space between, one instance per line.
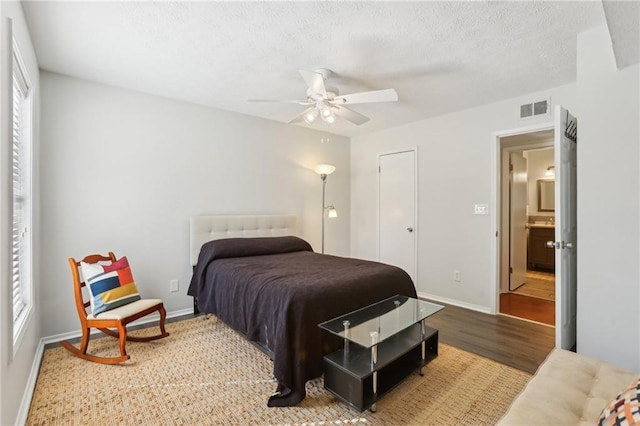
x=481, y=209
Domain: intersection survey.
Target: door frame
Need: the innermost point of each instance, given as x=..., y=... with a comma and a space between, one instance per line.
x=416, y=226
x=496, y=203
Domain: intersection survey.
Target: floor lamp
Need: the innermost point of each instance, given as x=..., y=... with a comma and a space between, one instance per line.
x=324, y=170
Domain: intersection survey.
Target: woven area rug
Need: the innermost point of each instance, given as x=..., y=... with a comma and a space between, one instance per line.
x=207, y=374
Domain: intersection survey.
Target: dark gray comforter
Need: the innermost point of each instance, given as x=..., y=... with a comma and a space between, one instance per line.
x=277, y=290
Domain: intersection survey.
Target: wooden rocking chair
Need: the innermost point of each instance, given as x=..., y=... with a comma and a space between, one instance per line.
x=117, y=318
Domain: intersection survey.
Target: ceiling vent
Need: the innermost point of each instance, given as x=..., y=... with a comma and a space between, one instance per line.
x=535, y=109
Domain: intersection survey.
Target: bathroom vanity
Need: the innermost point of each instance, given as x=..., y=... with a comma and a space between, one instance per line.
x=539, y=256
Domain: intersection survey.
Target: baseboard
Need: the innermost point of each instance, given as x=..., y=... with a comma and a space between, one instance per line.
x=473, y=307
x=30, y=387
x=149, y=318
x=23, y=411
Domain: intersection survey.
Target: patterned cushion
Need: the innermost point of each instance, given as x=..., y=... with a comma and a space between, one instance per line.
x=624, y=410
x=110, y=285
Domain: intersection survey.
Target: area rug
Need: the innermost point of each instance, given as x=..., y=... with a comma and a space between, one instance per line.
x=541, y=285
x=207, y=374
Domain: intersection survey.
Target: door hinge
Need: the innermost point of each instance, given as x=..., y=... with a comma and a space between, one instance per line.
x=510, y=270
x=510, y=167
x=379, y=169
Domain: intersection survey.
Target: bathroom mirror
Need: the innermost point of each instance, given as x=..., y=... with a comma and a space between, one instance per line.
x=546, y=195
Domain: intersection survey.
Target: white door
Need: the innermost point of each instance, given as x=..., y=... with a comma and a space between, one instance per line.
x=397, y=210
x=517, y=221
x=566, y=227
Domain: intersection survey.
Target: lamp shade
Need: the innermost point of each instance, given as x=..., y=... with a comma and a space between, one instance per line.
x=325, y=169
x=332, y=212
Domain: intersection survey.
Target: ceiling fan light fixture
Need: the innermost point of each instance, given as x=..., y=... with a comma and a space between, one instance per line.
x=326, y=102
x=328, y=116
x=311, y=116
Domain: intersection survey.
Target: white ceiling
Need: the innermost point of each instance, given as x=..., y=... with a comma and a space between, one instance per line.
x=439, y=56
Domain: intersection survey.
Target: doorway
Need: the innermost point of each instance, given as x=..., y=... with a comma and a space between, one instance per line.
x=565, y=132
x=527, y=278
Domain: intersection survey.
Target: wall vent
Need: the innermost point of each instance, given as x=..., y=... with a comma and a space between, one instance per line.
x=535, y=109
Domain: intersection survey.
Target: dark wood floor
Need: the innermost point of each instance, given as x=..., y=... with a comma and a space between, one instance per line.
x=514, y=342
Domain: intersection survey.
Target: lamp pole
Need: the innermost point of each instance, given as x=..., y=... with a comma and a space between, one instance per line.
x=324, y=184
x=324, y=170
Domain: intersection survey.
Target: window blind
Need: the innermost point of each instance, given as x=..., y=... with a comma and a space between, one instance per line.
x=19, y=223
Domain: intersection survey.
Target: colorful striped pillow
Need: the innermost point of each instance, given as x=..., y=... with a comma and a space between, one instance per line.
x=110, y=286
x=624, y=409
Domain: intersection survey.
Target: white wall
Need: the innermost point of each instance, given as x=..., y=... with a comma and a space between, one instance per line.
x=15, y=367
x=124, y=171
x=455, y=170
x=608, y=204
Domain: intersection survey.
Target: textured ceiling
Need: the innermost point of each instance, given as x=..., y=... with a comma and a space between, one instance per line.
x=624, y=25
x=439, y=56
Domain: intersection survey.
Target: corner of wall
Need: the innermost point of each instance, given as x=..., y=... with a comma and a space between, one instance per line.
x=608, y=187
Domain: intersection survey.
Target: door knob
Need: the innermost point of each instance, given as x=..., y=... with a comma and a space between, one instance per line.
x=567, y=245
x=410, y=229
x=551, y=244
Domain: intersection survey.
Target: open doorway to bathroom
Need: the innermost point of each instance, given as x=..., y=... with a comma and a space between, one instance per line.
x=527, y=288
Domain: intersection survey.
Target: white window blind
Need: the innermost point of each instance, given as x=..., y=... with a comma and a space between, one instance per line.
x=19, y=253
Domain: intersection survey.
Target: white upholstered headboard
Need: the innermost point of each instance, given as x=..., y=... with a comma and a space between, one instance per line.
x=209, y=228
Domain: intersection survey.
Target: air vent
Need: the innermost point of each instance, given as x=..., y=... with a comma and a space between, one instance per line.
x=535, y=109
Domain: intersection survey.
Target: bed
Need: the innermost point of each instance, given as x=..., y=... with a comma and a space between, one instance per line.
x=256, y=275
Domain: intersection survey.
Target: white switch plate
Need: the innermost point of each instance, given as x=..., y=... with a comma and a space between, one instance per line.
x=456, y=276
x=481, y=209
x=174, y=285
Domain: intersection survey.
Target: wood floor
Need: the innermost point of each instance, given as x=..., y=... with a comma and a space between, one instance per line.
x=531, y=308
x=534, y=300
x=514, y=342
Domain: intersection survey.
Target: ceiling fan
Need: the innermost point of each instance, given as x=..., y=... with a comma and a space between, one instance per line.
x=326, y=103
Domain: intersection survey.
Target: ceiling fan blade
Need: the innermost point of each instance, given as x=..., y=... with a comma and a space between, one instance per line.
x=304, y=102
x=315, y=81
x=385, y=95
x=300, y=117
x=348, y=114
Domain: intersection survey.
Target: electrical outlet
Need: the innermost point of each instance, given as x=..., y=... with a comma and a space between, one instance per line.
x=456, y=276
x=174, y=285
